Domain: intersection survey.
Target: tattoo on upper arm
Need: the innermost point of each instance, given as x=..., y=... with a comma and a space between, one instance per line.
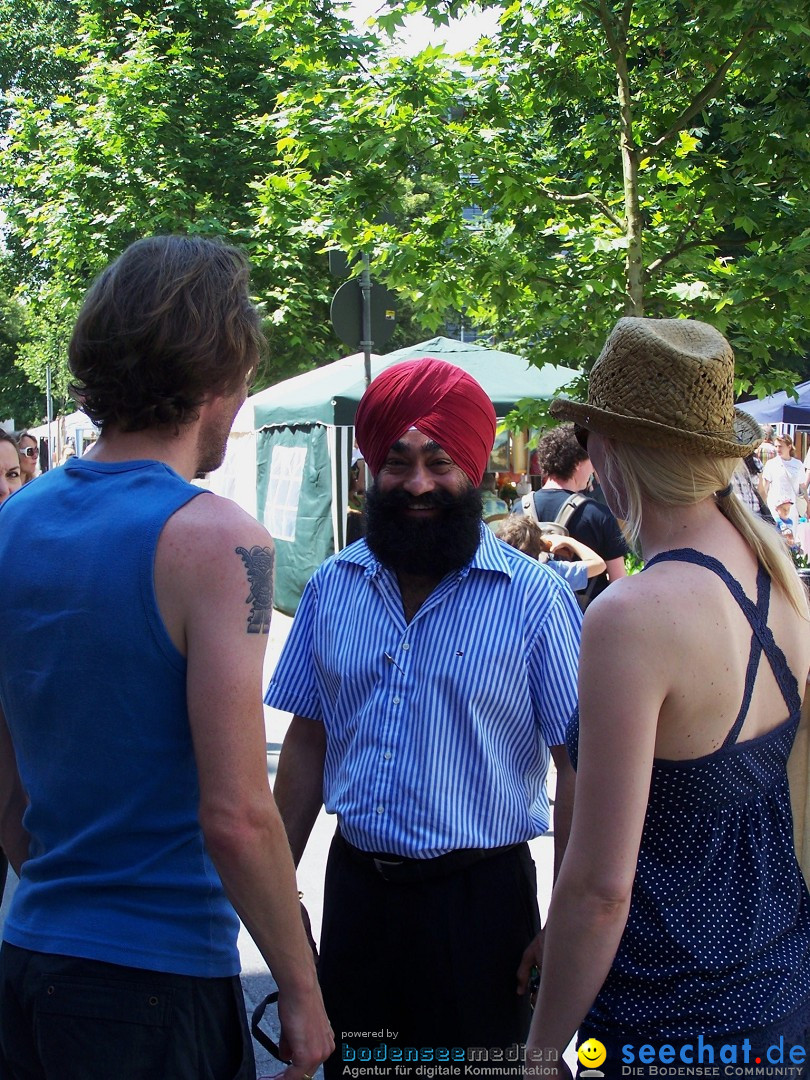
x=259, y=565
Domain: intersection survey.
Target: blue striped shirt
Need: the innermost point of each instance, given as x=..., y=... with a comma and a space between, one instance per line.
x=437, y=730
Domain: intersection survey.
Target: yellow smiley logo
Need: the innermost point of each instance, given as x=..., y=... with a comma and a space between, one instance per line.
x=592, y=1054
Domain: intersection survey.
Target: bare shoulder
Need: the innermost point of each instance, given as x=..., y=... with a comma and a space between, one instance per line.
x=629, y=637
x=622, y=604
x=209, y=523
x=213, y=556
x=636, y=616
x=672, y=608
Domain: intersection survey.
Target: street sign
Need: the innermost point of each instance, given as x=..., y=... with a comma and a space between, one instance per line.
x=347, y=314
x=339, y=265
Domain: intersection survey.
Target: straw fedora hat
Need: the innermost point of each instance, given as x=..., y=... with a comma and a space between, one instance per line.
x=666, y=383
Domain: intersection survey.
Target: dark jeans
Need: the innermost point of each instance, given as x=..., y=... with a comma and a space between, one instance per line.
x=427, y=966
x=64, y=1018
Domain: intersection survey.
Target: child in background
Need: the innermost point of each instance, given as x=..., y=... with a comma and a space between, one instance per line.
x=785, y=524
x=570, y=558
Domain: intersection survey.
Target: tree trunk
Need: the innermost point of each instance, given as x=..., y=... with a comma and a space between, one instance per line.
x=617, y=39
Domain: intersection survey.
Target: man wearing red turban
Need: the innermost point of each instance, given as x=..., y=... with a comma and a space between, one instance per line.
x=439, y=399
x=431, y=670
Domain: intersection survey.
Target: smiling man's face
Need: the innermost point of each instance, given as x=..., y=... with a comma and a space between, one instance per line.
x=418, y=465
x=423, y=513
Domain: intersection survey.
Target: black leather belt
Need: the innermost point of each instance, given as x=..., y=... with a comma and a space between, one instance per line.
x=399, y=868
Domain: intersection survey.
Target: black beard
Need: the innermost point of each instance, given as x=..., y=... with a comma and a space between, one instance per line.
x=429, y=547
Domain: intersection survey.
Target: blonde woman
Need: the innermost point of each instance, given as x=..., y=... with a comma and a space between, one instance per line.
x=680, y=917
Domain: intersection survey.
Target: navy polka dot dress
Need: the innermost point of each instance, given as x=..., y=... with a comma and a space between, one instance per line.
x=718, y=935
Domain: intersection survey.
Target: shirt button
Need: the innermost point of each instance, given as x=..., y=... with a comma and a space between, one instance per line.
x=387, y=755
x=396, y=701
x=406, y=645
x=380, y=809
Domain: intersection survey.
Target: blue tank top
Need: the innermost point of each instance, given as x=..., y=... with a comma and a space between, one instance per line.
x=718, y=935
x=94, y=693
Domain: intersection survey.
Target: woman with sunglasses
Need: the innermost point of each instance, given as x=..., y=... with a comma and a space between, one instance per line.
x=10, y=475
x=680, y=919
x=29, y=455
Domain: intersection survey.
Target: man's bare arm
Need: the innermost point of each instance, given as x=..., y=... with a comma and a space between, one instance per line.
x=217, y=605
x=299, y=781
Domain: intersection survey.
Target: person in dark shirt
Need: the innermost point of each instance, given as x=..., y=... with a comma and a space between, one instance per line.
x=567, y=470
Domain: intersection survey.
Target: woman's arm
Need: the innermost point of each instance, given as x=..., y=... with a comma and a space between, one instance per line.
x=622, y=683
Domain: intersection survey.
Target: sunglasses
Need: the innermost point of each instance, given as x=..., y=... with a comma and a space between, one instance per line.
x=28, y=451
x=581, y=435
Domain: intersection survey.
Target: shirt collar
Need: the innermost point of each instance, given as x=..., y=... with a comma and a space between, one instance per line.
x=490, y=555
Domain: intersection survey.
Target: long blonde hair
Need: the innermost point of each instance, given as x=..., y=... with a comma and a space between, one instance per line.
x=678, y=479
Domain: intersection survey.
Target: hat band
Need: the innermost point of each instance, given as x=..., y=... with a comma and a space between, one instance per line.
x=709, y=433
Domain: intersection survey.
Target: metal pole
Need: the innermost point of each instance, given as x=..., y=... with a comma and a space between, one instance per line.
x=49, y=410
x=365, y=291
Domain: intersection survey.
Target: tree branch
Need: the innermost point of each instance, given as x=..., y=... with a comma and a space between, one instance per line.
x=633, y=223
x=711, y=241
x=606, y=19
x=679, y=244
x=709, y=91
x=593, y=8
x=624, y=22
x=656, y=264
x=586, y=196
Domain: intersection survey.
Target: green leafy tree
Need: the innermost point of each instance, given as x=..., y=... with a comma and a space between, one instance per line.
x=597, y=159
x=147, y=125
x=19, y=400
x=32, y=56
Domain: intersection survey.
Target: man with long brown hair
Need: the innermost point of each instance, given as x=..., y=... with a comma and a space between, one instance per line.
x=133, y=782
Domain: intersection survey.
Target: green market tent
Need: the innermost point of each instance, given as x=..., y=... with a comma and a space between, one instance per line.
x=331, y=394
x=305, y=435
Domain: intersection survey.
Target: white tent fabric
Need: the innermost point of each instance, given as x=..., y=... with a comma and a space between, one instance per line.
x=76, y=426
x=236, y=478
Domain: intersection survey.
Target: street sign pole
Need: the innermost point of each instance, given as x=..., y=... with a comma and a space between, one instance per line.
x=49, y=409
x=365, y=290
x=363, y=312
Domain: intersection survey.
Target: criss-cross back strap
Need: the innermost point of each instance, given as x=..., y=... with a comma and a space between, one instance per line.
x=762, y=639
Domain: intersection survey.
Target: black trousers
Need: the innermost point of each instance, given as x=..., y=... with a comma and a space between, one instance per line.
x=427, y=966
x=64, y=1018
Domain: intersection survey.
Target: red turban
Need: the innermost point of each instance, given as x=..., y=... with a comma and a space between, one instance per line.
x=441, y=400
